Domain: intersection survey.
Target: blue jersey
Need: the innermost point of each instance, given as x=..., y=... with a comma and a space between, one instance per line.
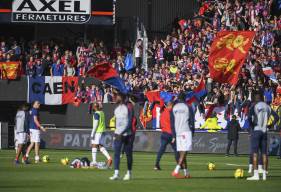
x=32, y=113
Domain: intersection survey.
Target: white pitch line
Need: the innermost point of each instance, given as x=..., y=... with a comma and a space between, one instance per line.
x=236, y=165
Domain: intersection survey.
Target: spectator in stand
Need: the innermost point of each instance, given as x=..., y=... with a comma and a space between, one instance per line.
x=39, y=68
x=47, y=65
x=268, y=95
x=138, y=53
x=80, y=96
x=35, y=51
x=107, y=98
x=176, y=59
x=30, y=67
x=57, y=69
x=81, y=67
x=99, y=94
x=17, y=50
x=3, y=47
x=69, y=70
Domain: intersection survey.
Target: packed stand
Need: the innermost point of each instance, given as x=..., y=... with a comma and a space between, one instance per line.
x=176, y=63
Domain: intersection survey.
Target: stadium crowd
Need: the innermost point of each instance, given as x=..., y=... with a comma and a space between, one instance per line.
x=176, y=63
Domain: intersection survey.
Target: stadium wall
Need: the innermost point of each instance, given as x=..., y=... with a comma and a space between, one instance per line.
x=149, y=141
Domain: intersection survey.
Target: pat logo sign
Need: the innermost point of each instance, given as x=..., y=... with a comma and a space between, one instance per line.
x=52, y=90
x=51, y=11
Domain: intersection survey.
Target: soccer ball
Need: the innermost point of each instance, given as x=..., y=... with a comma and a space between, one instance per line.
x=64, y=161
x=239, y=173
x=211, y=166
x=45, y=159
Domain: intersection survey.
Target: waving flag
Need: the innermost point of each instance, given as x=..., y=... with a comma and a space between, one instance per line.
x=270, y=74
x=153, y=96
x=167, y=96
x=9, y=70
x=129, y=62
x=52, y=90
x=183, y=24
x=200, y=91
x=106, y=73
x=196, y=95
x=227, y=55
x=103, y=71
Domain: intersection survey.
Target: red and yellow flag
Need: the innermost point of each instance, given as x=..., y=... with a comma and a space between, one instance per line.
x=227, y=55
x=9, y=70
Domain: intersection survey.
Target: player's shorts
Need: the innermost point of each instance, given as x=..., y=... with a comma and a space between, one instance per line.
x=97, y=139
x=35, y=135
x=21, y=138
x=259, y=141
x=184, y=141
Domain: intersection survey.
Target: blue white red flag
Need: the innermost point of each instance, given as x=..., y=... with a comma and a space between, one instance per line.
x=268, y=71
x=196, y=95
x=106, y=73
x=52, y=90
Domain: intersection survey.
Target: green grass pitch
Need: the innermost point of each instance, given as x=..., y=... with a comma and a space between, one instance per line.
x=54, y=177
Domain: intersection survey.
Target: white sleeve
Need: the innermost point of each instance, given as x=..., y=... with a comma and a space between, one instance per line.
x=122, y=121
x=95, y=126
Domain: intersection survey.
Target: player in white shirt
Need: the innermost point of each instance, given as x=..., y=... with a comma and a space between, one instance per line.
x=123, y=136
x=183, y=129
x=21, y=129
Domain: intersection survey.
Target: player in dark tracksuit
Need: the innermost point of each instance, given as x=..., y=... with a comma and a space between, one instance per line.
x=258, y=118
x=166, y=135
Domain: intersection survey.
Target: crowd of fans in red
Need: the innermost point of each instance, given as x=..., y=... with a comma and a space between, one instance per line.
x=176, y=63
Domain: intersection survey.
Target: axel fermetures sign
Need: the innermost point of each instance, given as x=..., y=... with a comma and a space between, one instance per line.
x=51, y=11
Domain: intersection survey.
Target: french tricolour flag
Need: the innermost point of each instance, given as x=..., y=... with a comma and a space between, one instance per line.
x=52, y=90
x=270, y=74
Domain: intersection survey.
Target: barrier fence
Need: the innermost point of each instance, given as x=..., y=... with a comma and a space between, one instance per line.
x=149, y=141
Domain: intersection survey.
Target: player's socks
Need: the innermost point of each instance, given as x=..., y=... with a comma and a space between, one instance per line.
x=260, y=169
x=177, y=169
x=186, y=173
x=37, y=158
x=115, y=176
x=94, y=155
x=105, y=153
x=255, y=177
x=264, y=175
x=250, y=168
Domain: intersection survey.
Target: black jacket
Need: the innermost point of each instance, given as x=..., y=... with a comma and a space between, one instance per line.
x=233, y=129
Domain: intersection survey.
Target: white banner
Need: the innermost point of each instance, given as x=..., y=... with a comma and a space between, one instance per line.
x=51, y=11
